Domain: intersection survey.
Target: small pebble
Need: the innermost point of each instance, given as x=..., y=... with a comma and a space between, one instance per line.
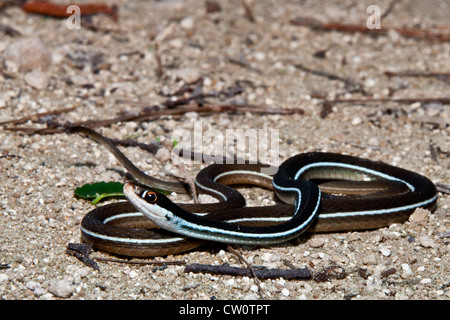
x=163, y=155
x=426, y=242
x=188, y=75
x=61, y=289
x=317, y=242
x=187, y=23
x=37, y=79
x=419, y=216
x=3, y=277
x=425, y=281
x=385, y=251
x=374, y=142
x=406, y=270
x=356, y=121
x=370, y=259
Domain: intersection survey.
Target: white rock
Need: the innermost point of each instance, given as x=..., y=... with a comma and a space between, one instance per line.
x=3, y=277
x=28, y=54
x=426, y=242
x=36, y=288
x=206, y=198
x=61, y=289
x=187, y=23
x=188, y=75
x=317, y=242
x=32, y=285
x=163, y=155
x=37, y=79
x=267, y=256
x=356, y=121
x=419, y=216
x=385, y=251
x=406, y=269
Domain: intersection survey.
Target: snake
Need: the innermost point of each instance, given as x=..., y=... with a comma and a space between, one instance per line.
x=317, y=192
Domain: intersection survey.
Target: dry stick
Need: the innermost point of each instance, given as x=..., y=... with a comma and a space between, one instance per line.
x=81, y=251
x=225, y=269
x=362, y=28
x=348, y=82
x=327, y=104
x=248, y=11
x=188, y=177
x=243, y=63
x=443, y=76
x=249, y=267
x=149, y=147
x=159, y=65
x=144, y=116
x=389, y=9
x=443, y=100
x=443, y=188
x=39, y=115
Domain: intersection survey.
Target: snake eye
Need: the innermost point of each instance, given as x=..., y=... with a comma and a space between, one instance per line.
x=149, y=196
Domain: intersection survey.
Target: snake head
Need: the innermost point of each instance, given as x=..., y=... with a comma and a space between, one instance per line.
x=151, y=203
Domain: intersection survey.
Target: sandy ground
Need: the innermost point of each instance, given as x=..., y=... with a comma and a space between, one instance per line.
x=112, y=68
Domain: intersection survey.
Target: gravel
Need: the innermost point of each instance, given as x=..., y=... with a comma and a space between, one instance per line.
x=113, y=69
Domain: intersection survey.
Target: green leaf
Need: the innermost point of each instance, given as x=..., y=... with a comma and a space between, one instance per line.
x=99, y=191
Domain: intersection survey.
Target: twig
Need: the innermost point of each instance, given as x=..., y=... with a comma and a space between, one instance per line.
x=388, y=272
x=159, y=65
x=149, y=147
x=249, y=267
x=248, y=11
x=443, y=76
x=328, y=104
x=443, y=235
x=147, y=115
x=226, y=269
x=199, y=97
x=362, y=28
x=349, y=83
x=36, y=116
x=82, y=252
x=443, y=188
x=331, y=272
x=389, y=9
x=243, y=63
x=186, y=174
x=4, y=266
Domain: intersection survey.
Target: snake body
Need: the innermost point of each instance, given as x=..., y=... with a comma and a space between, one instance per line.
x=320, y=192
